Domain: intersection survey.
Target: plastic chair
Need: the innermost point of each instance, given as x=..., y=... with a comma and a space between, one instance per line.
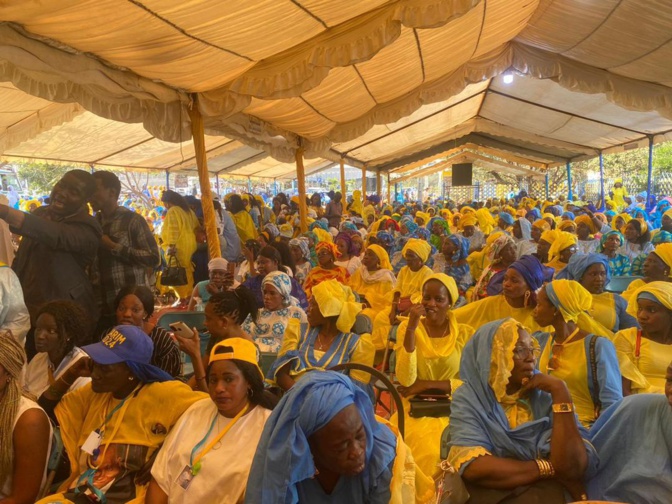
x=362, y=325
x=619, y=284
x=266, y=360
x=381, y=383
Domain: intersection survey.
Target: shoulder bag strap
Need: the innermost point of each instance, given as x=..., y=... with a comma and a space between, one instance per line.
x=592, y=359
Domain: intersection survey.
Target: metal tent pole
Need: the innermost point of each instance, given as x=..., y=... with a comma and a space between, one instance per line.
x=649, y=181
x=604, y=199
x=167, y=179
x=570, y=196
x=546, y=184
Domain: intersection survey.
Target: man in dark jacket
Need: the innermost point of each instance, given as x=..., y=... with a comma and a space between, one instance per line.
x=58, y=246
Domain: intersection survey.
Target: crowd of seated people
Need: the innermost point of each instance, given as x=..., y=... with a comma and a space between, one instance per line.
x=522, y=375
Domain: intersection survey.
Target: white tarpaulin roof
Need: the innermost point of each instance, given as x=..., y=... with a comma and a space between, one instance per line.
x=381, y=83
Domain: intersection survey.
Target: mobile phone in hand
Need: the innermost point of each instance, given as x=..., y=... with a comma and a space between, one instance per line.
x=182, y=330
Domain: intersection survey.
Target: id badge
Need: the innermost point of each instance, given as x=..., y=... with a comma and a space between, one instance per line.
x=92, y=442
x=185, y=478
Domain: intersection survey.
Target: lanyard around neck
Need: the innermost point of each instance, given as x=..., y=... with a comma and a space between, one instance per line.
x=195, y=463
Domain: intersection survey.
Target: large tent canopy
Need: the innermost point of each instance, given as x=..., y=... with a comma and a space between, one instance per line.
x=385, y=85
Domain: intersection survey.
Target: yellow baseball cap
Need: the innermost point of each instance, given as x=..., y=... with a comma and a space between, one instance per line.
x=236, y=349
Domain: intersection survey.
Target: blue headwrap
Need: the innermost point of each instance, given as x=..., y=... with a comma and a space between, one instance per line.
x=568, y=215
x=319, y=223
x=348, y=225
x=506, y=217
x=638, y=213
x=303, y=244
x=662, y=236
x=534, y=212
x=410, y=225
x=462, y=245
x=533, y=272
x=525, y=228
x=579, y=263
x=605, y=237
x=478, y=419
x=385, y=239
x=423, y=233
x=283, y=458
x=610, y=213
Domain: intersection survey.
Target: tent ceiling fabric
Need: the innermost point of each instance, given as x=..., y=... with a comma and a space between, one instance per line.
x=381, y=83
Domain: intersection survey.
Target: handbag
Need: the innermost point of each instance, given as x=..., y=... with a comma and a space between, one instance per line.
x=174, y=275
x=429, y=403
x=450, y=489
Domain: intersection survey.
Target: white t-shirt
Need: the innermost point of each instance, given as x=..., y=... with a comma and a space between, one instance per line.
x=224, y=469
x=25, y=405
x=13, y=312
x=36, y=375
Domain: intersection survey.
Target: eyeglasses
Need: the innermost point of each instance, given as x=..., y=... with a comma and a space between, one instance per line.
x=521, y=353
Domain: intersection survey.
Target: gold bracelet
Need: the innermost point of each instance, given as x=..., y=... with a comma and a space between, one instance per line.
x=566, y=407
x=546, y=469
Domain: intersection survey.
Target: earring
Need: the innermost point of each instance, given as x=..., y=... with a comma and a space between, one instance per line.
x=131, y=378
x=527, y=297
x=250, y=392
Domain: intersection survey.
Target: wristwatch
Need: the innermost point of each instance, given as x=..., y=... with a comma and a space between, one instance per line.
x=566, y=407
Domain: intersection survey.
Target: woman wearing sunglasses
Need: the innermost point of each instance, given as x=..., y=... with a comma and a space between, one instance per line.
x=575, y=352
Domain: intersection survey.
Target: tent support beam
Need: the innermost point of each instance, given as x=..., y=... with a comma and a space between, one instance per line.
x=301, y=177
x=389, y=191
x=198, y=136
x=167, y=179
x=217, y=183
x=649, y=181
x=569, y=181
x=560, y=111
x=546, y=184
x=379, y=181
x=341, y=163
x=363, y=184
x=603, y=202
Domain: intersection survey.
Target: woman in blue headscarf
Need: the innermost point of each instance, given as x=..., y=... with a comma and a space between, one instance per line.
x=634, y=442
x=516, y=300
x=610, y=244
x=452, y=260
x=512, y=426
x=522, y=233
x=592, y=272
x=323, y=443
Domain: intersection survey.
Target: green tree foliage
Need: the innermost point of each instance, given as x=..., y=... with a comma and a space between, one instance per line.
x=41, y=177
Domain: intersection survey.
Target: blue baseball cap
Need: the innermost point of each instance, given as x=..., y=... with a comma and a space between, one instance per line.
x=122, y=344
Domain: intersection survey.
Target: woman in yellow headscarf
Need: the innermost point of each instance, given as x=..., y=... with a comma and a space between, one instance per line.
x=562, y=248
x=407, y=291
x=422, y=218
x=326, y=341
x=428, y=349
x=373, y=281
x=356, y=205
x=574, y=352
x=368, y=214
x=485, y=220
x=657, y=268
x=619, y=222
x=645, y=354
x=619, y=193
x=467, y=226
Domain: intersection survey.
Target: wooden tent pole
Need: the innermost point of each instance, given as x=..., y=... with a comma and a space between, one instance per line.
x=344, y=188
x=301, y=177
x=389, y=190
x=198, y=136
x=379, y=182
x=363, y=184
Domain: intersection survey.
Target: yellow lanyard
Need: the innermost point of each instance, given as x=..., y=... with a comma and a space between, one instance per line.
x=196, y=462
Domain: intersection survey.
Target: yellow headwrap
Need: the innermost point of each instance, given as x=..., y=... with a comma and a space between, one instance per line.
x=381, y=255
x=467, y=210
x=420, y=247
x=424, y=216
x=447, y=214
x=550, y=236
x=485, y=220
x=336, y=299
x=567, y=225
x=644, y=226
x=356, y=205
x=668, y=213
x=584, y=219
x=664, y=251
x=562, y=241
x=366, y=212
x=541, y=224
x=574, y=302
x=322, y=235
x=626, y=218
x=662, y=291
x=467, y=220
x=448, y=282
